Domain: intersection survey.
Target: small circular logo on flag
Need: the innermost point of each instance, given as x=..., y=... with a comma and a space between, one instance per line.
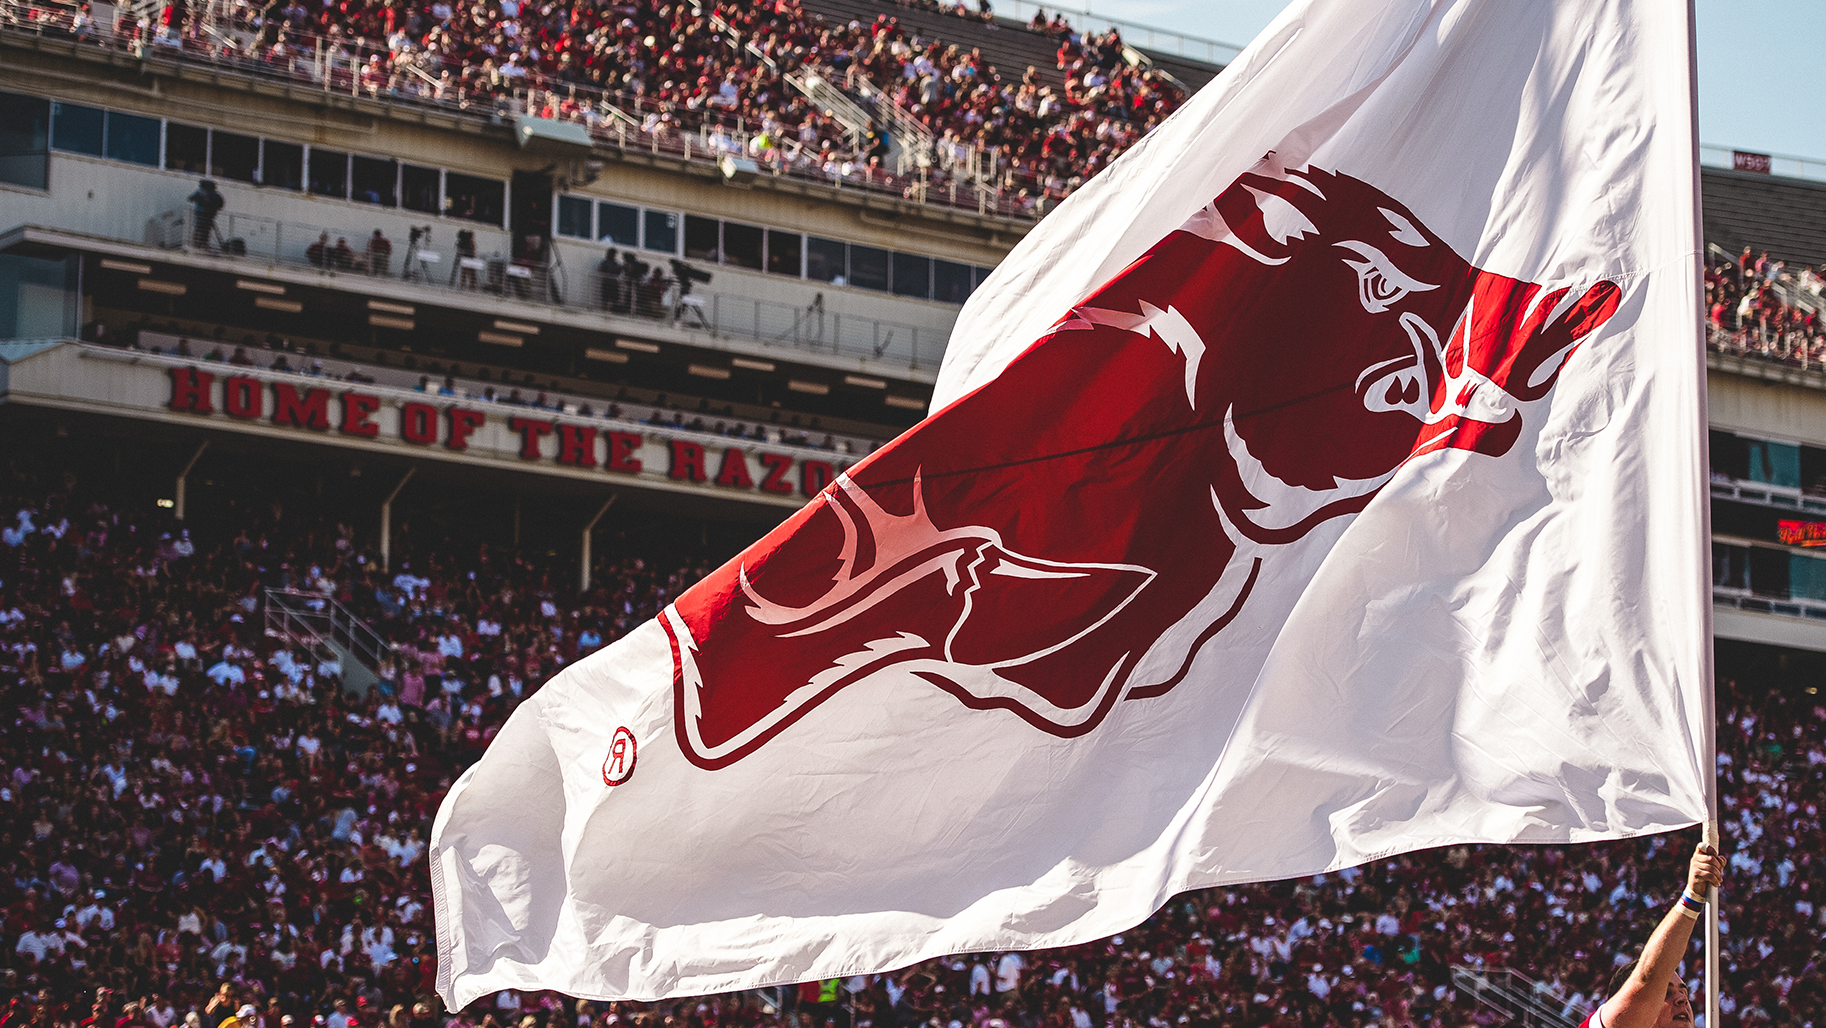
x=618, y=767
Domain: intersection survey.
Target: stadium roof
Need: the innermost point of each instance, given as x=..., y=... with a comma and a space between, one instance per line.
x=1785, y=216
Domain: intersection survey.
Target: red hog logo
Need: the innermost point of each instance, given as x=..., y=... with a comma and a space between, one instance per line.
x=1072, y=533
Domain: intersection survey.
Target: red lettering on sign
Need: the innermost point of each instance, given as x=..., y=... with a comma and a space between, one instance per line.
x=621, y=452
x=190, y=390
x=777, y=465
x=418, y=423
x=814, y=475
x=243, y=397
x=355, y=410
x=463, y=424
x=577, y=446
x=687, y=461
x=312, y=410
x=531, y=431
x=734, y=472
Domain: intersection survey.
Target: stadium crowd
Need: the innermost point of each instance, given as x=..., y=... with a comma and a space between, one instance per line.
x=197, y=824
x=1754, y=304
x=669, y=68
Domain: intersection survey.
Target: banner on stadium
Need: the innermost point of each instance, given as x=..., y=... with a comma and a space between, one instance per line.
x=1322, y=481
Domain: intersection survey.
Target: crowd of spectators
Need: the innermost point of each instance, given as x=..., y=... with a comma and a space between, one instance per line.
x=1755, y=304
x=665, y=69
x=196, y=823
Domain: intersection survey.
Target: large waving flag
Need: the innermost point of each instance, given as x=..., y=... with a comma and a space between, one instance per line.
x=1321, y=482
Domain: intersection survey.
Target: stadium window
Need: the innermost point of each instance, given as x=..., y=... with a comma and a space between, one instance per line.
x=234, y=156
x=912, y=275
x=1775, y=463
x=824, y=261
x=329, y=173
x=703, y=238
x=784, y=250
x=1769, y=572
x=617, y=224
x=474, y=199
x=374, y=181
x=574, y=217
x=76, y=129
x=1730, y=566
x=950, y=282
x=281, y=164
x=421, y=189
x=659, y=231
x=186, y=148
x=869, y=267
x=981, y=274
x=742, y=245
x=25, y=141
x=133, y=139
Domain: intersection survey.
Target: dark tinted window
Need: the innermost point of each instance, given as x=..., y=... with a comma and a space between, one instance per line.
x=281, y=164
x=617, y=224
x=950, y=282
x=981, y=274
x=703, y=237
x=374, y=181
x=420, y=189
x=574, y=217
x=912, y=275
x=742, y=245
x=25, y=141
x=133, y=139
x=659, y=231
x=76, y=128
x=329, y=173
x=824, y=260
x=233, y=156
x=869, y=267
x=186, y=148
x=783, y=250
x=474, y=199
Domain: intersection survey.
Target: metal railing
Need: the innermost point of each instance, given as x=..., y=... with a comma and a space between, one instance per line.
x=1765, y=494
x=1134, y=33
x=318, y=622
x=1789, y=165
x=809, y=327
x=1526, y=1002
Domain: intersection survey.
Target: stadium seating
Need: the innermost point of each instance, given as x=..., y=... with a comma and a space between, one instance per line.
x=188, y=800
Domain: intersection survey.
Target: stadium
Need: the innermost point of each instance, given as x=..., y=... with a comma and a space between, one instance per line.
x=362, y=365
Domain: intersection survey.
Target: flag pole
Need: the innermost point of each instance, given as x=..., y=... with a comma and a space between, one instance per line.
x=1708, y=728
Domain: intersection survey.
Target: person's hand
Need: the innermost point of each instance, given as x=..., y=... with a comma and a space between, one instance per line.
x=1707, y=869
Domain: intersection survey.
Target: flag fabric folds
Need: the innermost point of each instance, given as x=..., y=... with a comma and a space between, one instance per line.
x=1323, y=481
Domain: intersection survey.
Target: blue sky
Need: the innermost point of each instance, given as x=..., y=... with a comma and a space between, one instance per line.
x=1758, y=61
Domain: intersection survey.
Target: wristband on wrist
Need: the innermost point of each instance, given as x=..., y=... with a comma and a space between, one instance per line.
x=1690, y=904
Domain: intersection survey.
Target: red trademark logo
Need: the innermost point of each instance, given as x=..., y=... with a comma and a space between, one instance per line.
x=619, y=765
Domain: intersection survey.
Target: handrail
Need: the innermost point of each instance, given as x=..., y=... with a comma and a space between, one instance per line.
x=1515, y=995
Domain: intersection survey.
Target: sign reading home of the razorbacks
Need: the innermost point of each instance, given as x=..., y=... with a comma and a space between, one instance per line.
x=535, y=434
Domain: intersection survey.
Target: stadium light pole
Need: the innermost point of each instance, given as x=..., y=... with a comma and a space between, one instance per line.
x=386, y=522
x=583, y=572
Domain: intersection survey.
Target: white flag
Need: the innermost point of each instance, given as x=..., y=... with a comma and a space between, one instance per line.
x=1323, y=481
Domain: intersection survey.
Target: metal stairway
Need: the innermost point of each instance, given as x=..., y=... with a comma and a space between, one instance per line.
x=327, y=630
x=1522, y=1001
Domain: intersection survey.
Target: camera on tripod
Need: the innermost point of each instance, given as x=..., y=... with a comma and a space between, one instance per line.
x=686, y=274
x=420, y=234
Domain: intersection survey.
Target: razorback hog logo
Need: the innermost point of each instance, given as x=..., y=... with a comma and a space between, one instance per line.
x=1070, y=534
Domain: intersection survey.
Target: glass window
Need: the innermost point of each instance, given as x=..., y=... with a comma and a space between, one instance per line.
x=329, y=173
x=1775, y=463
x=824, y=261
x=950, y=282
x=1806, y=578
x=281, y=164
x=25, y=141
x=574, y=217
x=375, y=180
x=783, y=251
x=912, y=275
x=703, y=238
x=76, y=128
x=659, y=231
x=474, y=199
x=1730, y=566
x=186, y=148
x=981, y=274
x=742, y=245
x=420, y=189
x=234, y=156
x=869, y=267
x=617, y=224
x=133, y=139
